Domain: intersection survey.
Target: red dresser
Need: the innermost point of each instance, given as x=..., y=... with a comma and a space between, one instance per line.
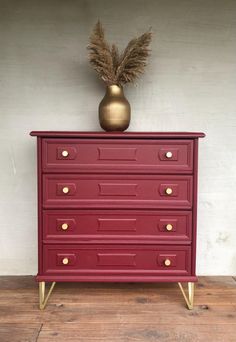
x=117, y=207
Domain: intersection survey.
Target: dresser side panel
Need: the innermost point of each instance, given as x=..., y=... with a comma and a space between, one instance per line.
x=40, y=201
x=195, y=204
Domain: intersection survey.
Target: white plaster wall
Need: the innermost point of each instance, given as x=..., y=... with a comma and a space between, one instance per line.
x=189, y=85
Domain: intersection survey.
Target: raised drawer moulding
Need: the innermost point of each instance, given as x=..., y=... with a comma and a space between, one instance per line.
x=117, y=191
x=119, y=226
x=117, y=207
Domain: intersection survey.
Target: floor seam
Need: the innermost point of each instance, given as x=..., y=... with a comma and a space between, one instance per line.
x=39, y=332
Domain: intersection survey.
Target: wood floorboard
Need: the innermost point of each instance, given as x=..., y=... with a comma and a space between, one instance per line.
x=19, y=332
x=126, y=311
x=132, y=332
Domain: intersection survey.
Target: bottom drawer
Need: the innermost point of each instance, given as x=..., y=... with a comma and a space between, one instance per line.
x=119, y=260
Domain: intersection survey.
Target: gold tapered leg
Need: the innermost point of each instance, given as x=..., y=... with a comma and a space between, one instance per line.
x=188, y=298
x=42, y=298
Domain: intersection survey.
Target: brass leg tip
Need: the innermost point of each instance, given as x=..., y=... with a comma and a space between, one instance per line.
x=43, y=298
x=189, y=297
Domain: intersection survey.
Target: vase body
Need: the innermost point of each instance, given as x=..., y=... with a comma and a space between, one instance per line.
x=114, y=110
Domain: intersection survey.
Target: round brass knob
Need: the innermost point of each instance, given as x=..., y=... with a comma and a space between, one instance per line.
x=169, y=154
x=169, y=227
x=64, y=226
x=167, y=262
x=65, y=261
x=65, y=190
x=65, y=153
x=168, y=191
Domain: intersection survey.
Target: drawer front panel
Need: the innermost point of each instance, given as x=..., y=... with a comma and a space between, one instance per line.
x=102, y=260
x=120, y=226
x=103, y=155
x=123, y=191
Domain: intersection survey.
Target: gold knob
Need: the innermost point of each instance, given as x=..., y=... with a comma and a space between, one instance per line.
x=167, y=262
x=66, y=190
x=65, y=261
x=169, y=227
x=65, y=153
x=169, y=191
x=64, y=226
x=169, y=154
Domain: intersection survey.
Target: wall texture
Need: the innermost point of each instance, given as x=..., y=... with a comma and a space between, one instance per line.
x=189, y=85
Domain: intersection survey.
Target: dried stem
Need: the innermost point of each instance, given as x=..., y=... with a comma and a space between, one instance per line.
x=112, y=67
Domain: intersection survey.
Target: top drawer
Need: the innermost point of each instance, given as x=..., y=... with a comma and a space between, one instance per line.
x=117, y=156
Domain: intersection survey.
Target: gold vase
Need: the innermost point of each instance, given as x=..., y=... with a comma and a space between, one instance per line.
x=114, y=110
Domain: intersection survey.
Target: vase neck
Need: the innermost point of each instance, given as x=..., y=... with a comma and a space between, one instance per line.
x=114, y=90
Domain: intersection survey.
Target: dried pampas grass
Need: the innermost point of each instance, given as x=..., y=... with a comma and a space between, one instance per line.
x=113, y=67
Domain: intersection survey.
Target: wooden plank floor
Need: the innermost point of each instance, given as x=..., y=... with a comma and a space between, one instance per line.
x=118, y=312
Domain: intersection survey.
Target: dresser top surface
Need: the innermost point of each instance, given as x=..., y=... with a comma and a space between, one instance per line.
x=118, y=135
